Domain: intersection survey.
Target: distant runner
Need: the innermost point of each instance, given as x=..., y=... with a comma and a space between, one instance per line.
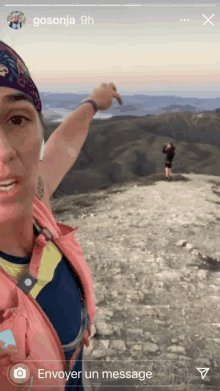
x=169, y=150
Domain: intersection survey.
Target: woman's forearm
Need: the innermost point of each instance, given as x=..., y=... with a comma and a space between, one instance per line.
x=64, y=145
x=76, y=123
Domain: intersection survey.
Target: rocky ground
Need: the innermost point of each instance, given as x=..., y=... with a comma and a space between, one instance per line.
x=154, y=255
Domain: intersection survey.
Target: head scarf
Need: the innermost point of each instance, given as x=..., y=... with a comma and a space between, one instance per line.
x=14, y=74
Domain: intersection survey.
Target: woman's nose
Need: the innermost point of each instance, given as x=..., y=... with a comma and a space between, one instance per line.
x=7, y=152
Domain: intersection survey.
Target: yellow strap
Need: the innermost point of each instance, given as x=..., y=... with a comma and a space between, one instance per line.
x=15, y=270
x=50, y=259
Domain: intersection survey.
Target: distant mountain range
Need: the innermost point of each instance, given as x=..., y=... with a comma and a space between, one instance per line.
x=57, y=106
x=124, y=148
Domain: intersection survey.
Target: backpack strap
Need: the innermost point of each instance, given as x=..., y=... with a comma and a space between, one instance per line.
x=30, y=279
x=29, y=282
x=83, y=328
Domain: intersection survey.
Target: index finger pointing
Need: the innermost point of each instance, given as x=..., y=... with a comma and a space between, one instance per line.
x=118, y=97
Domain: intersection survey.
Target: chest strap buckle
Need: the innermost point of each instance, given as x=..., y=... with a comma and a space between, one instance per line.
x=27, y=282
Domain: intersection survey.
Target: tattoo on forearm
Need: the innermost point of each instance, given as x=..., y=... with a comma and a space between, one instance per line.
x=40, y=192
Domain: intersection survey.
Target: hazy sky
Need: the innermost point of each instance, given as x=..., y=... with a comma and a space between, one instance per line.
x=144, y=48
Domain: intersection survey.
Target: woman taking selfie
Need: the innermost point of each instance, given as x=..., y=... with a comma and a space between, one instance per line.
x=46, y=291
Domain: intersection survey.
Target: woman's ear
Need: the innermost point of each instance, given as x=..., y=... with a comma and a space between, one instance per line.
x=41, y=154
x=43, y=127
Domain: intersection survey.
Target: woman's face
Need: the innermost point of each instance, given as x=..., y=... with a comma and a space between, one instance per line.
x=20, y=133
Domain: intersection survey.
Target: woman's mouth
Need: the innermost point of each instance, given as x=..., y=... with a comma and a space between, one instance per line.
x=8, y=184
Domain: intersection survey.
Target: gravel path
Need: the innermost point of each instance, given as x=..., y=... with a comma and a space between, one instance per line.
x=154, y=255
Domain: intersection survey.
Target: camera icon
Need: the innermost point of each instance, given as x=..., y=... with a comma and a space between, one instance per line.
x=20, y=373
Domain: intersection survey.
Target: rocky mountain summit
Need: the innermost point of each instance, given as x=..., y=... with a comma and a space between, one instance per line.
x=154, y=253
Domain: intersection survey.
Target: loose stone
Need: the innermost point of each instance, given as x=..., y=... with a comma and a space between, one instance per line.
x=99, y=353
x=118, y=345
x=176, y=349
x=202, y=274
x=150, y=347
x=104, y=329
x=137, y=347
x=181, y=243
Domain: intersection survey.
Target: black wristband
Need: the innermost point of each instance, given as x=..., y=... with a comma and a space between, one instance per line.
x=93, y=103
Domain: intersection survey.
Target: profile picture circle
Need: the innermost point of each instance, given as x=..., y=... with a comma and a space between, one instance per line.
x=16, y=20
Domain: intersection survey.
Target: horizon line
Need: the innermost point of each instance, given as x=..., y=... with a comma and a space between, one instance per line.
x=129, y=93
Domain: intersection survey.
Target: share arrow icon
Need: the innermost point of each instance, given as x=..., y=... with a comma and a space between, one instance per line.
x=203, y=372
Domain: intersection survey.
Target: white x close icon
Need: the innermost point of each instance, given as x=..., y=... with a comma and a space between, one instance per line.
x=208, y=19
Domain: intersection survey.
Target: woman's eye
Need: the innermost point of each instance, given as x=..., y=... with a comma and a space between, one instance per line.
x=18, y=120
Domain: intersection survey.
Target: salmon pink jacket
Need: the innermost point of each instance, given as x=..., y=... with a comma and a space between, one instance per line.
x=29, y=344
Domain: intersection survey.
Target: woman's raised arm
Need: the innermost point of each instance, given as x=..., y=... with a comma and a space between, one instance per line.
x=64, y=145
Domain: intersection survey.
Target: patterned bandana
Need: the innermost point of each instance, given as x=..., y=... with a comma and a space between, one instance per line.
x=14, y=74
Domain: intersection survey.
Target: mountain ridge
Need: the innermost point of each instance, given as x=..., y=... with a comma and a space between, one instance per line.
x=118, y=150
